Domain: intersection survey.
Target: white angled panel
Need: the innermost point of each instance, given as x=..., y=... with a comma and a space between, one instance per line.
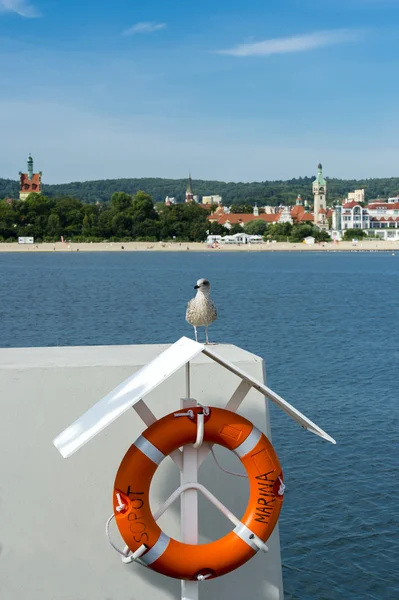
x=126, y=395
x=283, y=404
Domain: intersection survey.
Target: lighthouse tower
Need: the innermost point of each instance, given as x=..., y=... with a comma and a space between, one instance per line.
x=319, y=195
x=30, y=182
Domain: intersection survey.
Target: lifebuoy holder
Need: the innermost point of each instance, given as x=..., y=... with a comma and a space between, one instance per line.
x=147, y=544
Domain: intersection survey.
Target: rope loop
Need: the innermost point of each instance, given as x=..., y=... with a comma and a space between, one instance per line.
x=282, y=487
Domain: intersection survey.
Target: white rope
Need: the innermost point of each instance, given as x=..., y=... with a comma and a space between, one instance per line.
x=109, y=537
x=127, y=555
x=225, y=470
x=282, y=487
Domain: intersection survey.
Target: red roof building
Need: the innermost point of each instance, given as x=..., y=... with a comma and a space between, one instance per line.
x=30, y=182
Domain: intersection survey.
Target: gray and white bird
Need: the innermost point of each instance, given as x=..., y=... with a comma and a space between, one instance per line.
x=201, y=311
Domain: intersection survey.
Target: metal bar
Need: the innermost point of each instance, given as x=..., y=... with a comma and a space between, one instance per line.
x=189, y=499
x=203, y=452
x=196, y=486
x=233, y=404
x=145, y=413
x=235, y=401
x=149, y=418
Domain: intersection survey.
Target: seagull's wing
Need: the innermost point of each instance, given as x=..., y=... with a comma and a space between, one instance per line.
x=214, y=312
x=189, y=310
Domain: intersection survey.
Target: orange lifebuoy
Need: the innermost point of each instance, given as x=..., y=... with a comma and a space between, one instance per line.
x=132, y=484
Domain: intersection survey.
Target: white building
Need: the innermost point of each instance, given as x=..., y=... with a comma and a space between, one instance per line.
x=353, y=216
x=356, y=196
x=310, y=240
x=237, y=238
x=379, y=219
x=285, y=215
x=215, y=199
x=384, y=219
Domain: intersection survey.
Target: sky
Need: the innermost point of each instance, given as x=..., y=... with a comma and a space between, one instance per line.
x=231, y=90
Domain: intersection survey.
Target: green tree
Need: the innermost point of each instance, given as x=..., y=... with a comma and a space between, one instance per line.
x=321, y=235
x=121, y=201
x=279, y=231
x=217, y=229
x=299, y=232
x=351, y=234
x=8, y=221
x=53, y=228
x=255, y=227
x=121, y=225
x=185, y=222
x=236, y=228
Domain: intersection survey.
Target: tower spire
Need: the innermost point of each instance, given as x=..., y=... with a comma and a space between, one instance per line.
x=30, y=166
x=189, y=191
x=189, y=185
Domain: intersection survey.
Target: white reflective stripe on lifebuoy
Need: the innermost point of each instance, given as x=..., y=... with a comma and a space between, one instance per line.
x=245, y=534
x=248, y=444
x=149, y=450
x=156, y=551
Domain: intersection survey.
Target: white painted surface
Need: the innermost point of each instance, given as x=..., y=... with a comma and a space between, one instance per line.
x=135, y=389
x=53, y=511
x=126, y=395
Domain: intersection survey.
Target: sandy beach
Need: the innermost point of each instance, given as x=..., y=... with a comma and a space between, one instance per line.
x=363, y=246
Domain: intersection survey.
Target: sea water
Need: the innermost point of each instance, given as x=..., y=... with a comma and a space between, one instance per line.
x=327, y=325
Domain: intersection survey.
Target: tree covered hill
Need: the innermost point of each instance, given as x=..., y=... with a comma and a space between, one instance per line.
x=267, y=192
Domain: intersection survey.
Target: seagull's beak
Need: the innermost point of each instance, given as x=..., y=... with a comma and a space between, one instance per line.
x=196, y=287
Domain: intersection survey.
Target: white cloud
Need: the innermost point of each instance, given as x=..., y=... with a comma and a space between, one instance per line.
x=296, y=43
x=20, y=7
x=144, y=27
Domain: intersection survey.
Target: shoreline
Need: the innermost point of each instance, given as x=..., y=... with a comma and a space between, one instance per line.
x=361, y=246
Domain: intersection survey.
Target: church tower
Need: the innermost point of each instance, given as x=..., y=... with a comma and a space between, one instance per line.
x=319, y=195
x=189, y=191
x=30, y=182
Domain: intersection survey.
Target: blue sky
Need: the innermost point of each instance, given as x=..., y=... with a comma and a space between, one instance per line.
x=232, y=90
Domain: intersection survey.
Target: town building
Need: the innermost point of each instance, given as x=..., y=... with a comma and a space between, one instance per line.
x=30, y=182
x=215, y=199
x=294, y=215
x=353, y=216
x=356, y=196
x=285, y=215
x=384, y=219
x=378, y=218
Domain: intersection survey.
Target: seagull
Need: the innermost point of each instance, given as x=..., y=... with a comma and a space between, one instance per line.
x=201, y=311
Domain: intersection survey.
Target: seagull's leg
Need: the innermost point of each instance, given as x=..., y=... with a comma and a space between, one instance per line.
x=196, y=334
x=206, y=334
